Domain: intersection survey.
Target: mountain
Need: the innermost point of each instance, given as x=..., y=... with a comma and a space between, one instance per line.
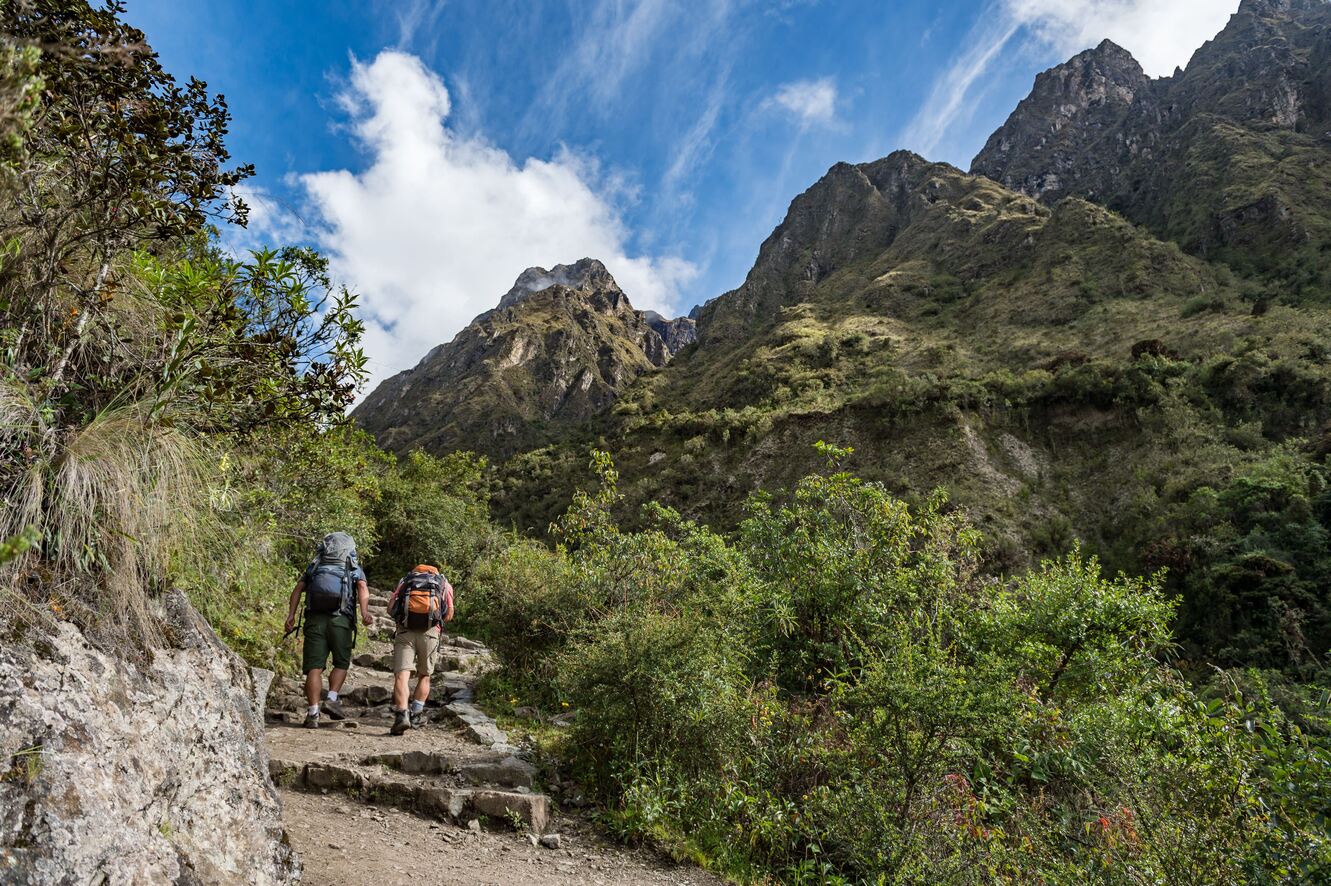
x=1060, y=371
x=1231, y=158
x=677, y=334
x=559, y=348
x=1112, y=330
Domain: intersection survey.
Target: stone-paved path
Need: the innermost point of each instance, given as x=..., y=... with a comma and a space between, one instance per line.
x=452, y=802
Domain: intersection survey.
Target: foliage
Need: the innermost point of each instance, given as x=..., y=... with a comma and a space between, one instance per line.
x=436, y=511
x=839, y=695
x=137, y=360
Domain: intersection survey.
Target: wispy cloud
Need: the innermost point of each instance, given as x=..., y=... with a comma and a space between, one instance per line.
x=417, y=18
x=950, y=95
x=1159, y=35
x=616, y=39
x=697, y=143
x=808, y=101
x=438, y=224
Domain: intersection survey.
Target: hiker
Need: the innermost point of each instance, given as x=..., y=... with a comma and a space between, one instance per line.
x=333, y=585
x=421, y=603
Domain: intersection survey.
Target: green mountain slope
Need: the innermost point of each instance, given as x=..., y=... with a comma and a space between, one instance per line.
x=1060, y=371
x=560, y=347
x=1230, y=158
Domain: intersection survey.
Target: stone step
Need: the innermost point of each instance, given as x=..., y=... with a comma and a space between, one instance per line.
x=478, y=726
x=499, y=769
x=372, y=695
x=377, y=661
x=421, y=794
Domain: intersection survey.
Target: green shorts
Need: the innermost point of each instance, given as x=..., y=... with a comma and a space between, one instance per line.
x=324, y=635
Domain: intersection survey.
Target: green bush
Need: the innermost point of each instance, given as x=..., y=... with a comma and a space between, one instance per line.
x=838, y=695
x=433, y=510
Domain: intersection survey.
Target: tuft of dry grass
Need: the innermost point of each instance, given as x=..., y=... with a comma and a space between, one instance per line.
x=111, y=504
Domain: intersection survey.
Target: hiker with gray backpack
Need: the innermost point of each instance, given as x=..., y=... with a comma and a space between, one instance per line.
x=421, y=603
x=334, y=586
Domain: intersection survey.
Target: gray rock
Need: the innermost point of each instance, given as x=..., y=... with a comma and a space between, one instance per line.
x=509, y=772
x=263, y=680
x=552, y=841
x=142, y=771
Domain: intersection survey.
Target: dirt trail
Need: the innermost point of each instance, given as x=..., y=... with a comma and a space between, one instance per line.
x=452, y=802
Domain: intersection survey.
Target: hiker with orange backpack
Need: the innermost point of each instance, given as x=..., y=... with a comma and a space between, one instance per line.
x=334, y=586
x=421, y=603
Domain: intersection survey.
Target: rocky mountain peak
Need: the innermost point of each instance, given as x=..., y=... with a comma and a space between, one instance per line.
x=559, y=348
x=1229, y=154
x=1068, y=108
x=585, y=275
x=1278, y=7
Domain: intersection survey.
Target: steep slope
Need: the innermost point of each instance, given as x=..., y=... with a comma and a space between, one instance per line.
x=559, y=348
x=677, y=334
x=1231, y=157
x=1063, y=373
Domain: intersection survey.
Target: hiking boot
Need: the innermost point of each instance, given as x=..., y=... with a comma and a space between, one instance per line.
x=401, y=723
x=311, y=721
x=334, y=710
x=418, y=719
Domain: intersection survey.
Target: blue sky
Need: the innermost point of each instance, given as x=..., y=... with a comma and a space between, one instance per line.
x=436, y=149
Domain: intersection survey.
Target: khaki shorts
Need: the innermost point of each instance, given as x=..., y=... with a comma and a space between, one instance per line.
x=415, y=650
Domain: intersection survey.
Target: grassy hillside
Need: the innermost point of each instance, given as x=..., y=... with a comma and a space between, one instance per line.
x=521, y=373
x=1063, y=374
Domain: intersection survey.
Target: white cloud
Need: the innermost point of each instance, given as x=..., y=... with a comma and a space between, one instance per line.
x=1160, y=35
x=810, y=101
x=439, y=225
x=271, y=222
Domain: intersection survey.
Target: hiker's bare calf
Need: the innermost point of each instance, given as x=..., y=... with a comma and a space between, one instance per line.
x=401, y=683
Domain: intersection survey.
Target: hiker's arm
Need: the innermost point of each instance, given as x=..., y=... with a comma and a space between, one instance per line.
x=295, y=602
x=448, y=594
x=363, y=598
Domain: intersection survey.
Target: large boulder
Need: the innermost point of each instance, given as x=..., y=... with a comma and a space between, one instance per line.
x=135, y=768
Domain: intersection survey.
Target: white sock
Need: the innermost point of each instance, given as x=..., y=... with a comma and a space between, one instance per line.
x=312, y=710
x=332, y=696
x=417, y=707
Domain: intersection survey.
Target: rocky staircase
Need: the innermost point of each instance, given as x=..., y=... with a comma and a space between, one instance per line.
x=460, y=767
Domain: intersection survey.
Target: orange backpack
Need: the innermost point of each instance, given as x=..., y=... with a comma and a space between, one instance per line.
x=420, y=602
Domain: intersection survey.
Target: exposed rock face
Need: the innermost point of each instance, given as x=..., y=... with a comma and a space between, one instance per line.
x=128, y=773
x=1043, y=148
x=1231, y=156
x=858, y=211
x=559, y=349
x=587, y=275
x=677, y=333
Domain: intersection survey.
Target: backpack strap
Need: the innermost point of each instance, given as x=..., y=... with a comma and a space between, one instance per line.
x=348, y=592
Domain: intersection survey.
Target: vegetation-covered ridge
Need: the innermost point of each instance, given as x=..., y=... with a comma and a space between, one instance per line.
x=1230, y=157
x=559, y=348
x=1063, y=373
x=850, y=676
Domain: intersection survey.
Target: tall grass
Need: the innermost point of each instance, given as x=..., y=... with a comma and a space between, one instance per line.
x=111, y=503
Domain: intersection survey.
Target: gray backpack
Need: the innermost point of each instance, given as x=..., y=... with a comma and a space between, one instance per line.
x=328, y=583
